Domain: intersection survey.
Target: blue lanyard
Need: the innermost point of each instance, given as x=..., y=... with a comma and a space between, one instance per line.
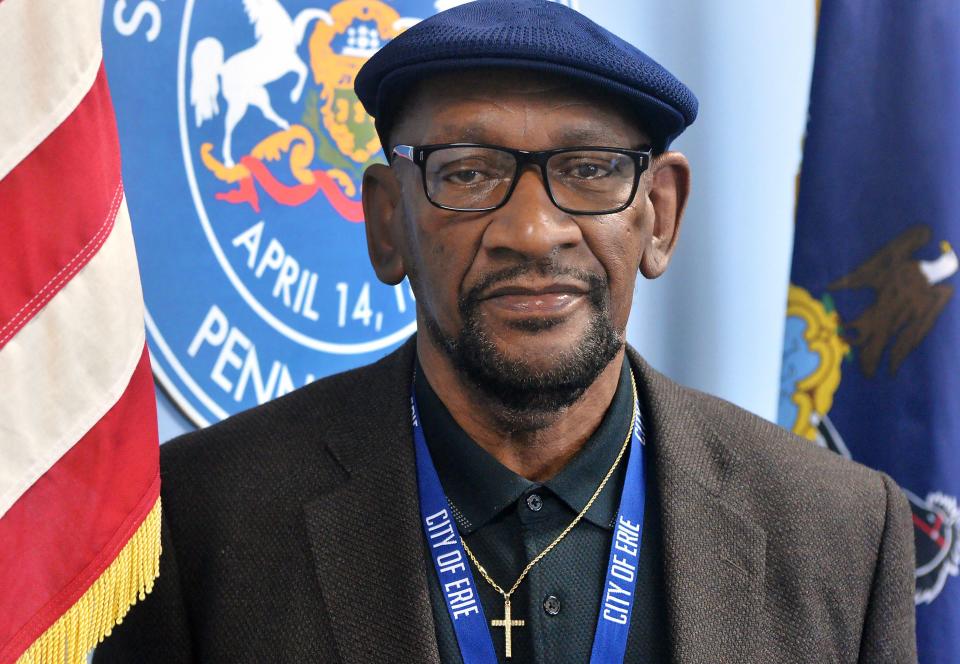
x=456, y=578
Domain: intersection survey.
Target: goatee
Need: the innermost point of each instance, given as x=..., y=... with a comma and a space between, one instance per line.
x=526, y=392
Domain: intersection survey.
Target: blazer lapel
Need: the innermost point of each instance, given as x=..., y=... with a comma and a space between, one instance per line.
x=365, y=533
x=713, y=555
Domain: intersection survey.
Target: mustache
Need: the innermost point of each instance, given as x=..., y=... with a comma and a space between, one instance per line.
x=596, y=283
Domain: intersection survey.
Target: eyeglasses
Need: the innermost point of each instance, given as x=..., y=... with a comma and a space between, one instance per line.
x=468, y=177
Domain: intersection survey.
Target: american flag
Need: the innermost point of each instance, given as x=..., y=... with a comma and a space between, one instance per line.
x=79, y=470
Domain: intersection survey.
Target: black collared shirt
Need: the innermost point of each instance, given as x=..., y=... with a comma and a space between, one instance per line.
x=507, y=520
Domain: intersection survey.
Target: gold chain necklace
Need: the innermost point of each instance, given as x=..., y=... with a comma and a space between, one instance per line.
x=508, y=623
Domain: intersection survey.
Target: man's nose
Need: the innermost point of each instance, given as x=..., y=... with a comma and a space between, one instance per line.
x=530, y=224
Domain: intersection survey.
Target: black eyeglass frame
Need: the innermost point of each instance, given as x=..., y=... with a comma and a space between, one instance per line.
x=418, y=154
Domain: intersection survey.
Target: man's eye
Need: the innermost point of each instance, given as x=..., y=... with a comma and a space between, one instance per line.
x=588, y=171
x=465, y=177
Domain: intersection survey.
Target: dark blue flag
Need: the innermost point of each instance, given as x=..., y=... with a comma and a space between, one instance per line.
x=871, y=360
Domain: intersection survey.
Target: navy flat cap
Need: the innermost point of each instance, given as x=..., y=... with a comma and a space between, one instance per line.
x=525, y=34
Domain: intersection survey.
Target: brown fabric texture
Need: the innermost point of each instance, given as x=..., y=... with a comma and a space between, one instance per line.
x=291, y=534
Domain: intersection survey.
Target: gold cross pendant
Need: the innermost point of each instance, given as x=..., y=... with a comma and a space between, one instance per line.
x=508, y=626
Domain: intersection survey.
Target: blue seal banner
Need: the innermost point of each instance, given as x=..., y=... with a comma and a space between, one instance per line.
x=243, y=151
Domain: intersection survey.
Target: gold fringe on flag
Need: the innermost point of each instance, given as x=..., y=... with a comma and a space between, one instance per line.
x=85, y=624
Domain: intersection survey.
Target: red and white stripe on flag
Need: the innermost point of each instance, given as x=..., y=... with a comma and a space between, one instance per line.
x=79, y=467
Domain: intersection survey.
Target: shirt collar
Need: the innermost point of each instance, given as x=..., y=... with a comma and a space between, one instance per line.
x=479, y=487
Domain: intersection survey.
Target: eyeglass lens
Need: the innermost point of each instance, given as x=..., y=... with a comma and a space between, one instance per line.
x=587, y=181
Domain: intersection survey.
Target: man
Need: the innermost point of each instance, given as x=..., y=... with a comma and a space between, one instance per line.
x=554, y=498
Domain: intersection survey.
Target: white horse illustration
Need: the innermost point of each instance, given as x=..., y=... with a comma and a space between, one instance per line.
x=244, y=75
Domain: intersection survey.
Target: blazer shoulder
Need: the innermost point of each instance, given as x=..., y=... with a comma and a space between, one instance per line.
x=282, y=442
x=780, y=456
x=764, y=441
x=764, y=466
x=326, y=401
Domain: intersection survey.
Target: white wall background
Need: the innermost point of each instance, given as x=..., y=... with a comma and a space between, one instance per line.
x=715, y=320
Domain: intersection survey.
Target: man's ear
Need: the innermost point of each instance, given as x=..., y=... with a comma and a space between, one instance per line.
x=382, y=212
x=669, y=187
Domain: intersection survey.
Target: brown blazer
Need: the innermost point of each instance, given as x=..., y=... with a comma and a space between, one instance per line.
x=291, y=534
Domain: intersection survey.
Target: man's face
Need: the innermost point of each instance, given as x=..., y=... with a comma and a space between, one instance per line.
x=531, y=302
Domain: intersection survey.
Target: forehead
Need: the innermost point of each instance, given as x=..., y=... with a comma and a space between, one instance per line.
x=520, y=109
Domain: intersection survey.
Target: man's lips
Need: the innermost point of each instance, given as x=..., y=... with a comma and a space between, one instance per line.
x=535, y=299
x=534, y=290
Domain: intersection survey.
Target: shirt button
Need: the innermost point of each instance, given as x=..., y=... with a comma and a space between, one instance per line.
x=551, y=605
x=534, y=502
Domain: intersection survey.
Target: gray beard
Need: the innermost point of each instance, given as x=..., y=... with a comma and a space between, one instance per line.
x=525, y=393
